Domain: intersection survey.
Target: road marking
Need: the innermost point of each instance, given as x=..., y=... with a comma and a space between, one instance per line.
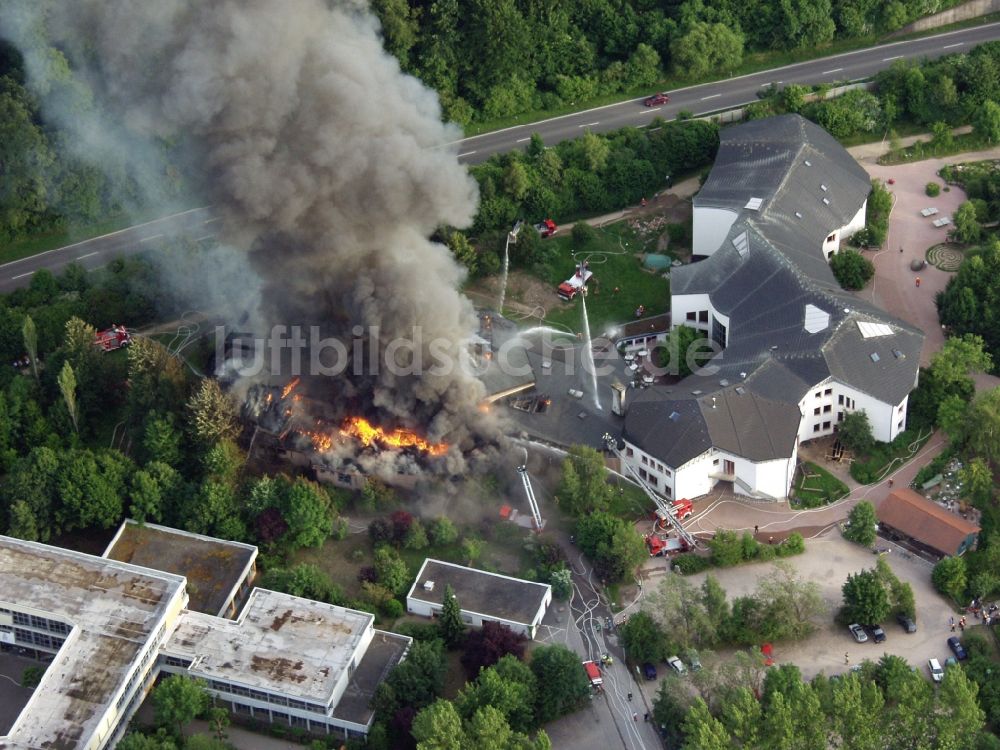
x=656, y=109
x=763, y=74
x=522, y=140
x=147, y=239
x=956, y=44
x=589, y=125
x=467, y=153
x=89, y=255
x=894, y=57
x=29, y=273
x=210, y=221
x=104, y=236
x=206, y=237
x=713, y=96
x=828, y=72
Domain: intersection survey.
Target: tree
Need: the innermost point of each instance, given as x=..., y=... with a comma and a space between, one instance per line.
x=67, y=386
x=611, y=544
x=862, y=523
x=463, y=251
x=471, y=549
x=213, y=414
x=642, y=638
x=308, y=514
x=685, y=350
x=487, y=645
x=392, y=570
x=146, y=497
x=415, y=682
x=584, y=486
x=29, y=335
x=442, y=532
x=977, y=479
x=566, y=683
x=702, y=731
x=303, y=580
x=792, y=605
x=900, y=592
x=852, y=269
x=705, y=48
x=417, y=537
x=958, y=714
x=967, y=226
x=986, y=121
x=865, y=598
x=582, y=235
x=178, y=700
x=439, y=727
x=510, y=687
x=679, y=609
x=857, y=713
x=136, y=741
x=218, y=721
x=950, y=577
x=982, y=426
x=561, y=581
x=161, y=440
x=450, y=620
x=855, y=432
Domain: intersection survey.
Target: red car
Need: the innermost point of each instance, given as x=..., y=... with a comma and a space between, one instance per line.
x=656, y=100
x=768, y=651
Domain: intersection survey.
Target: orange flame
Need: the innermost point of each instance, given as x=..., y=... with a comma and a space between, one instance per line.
x=292, y=384
x=367, y=433
x=321, y=441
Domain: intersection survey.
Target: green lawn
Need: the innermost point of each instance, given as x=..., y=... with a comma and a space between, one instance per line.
x=614, y=264
x=815, y=486
x=752, y=63
x=886, y=456
x=928, y=150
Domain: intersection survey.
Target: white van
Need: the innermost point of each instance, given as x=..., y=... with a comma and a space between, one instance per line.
x=937, y=674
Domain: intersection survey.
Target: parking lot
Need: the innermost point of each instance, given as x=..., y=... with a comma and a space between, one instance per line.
x=828, y=561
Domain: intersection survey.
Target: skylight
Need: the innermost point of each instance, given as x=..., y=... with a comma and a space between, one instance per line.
x=898, y=354
x=674, y=416
x=798, y=214
x=873, y=330
x=816, y=320
x=754, y=204
x=826, y=201
x=874, y=356
x=742, y=244
x=808, y=163
x=823, y=188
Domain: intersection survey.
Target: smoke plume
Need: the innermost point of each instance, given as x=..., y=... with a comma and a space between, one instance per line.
x=328, y=166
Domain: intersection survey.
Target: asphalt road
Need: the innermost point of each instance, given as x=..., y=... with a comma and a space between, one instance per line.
x=99, y=251
x=712, y=97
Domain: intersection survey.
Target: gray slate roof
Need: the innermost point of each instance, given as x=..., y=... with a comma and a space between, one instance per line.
x=765, y=294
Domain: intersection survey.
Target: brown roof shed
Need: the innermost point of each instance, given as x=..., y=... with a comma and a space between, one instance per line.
x=926, y=522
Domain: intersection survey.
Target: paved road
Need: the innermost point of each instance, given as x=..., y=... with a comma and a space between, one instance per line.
x=711, y=97
x=97, y=252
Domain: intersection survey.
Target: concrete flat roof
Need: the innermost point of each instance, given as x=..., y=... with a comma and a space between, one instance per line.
x=383, y=654
x=114, y=610
x=491, y=594
x=213, y=567
x=279, y=643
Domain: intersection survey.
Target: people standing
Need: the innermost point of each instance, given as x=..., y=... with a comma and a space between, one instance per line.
x=847, y=657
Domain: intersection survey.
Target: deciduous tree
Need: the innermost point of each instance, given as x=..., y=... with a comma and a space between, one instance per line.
x=565, y=681
x=865, y=598
x=862, y=523
x=855, y=431
x=852, y=269
x=178, y=700
x=949, y=577
x=213, y=413
x=487, y=645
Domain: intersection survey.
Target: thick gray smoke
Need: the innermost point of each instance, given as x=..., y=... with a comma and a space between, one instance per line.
x=326, y=163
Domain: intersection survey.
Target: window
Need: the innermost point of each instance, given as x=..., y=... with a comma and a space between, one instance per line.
x=840, y=399
x=4, y=611
x=177, y=662
x=629, y=452
x=293, y=703
x=831, y=238
x=827, y=408
x=718, y=332
x=643, y=474
x=817, y=394
x=900, y=408
x=815, y=428
x=259, y=695
x=22, y=636
x=653, y=481
x=715, y=462
x=840, y=416
x=21, y=619
x=39, y=622
x=899, y=425
x=691, y=316
x=816, y=412
x=645, y=461
x=667, y=490
x=6, y=628
x=278, y=700
x=828, y=391
x=826, y=425
x=703, y=316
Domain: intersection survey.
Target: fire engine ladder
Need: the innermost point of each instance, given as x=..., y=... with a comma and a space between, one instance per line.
x=661, y=505
x=526, y=481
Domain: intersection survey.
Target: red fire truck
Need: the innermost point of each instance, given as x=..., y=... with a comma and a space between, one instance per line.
x=113, y=338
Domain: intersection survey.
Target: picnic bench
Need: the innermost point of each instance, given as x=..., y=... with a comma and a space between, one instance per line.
x=943, y=221
x=928, y=211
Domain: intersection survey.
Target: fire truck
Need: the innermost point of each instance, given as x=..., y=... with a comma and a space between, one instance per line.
x=112, y=338
x=546, y=228
x=594, y=674
x=569, y=288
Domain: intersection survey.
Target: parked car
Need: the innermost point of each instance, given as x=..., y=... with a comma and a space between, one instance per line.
x=906, y=622
x=878, y=635
x=957, y=648
x=656, y=100
x=858, y=632
x=951, y=661
x=677, y=665
x=694, y=661
x=937, y=674
x=649, y=670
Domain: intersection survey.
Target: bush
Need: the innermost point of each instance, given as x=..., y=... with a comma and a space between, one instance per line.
x=852, y=269
x=393, y=609
x=793, y=545
x=690, y=563
x=933, y=190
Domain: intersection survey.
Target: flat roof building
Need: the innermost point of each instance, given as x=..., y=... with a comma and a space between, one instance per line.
x=219, y=573
x=483, y=596
x=103, y=621
x=109, y=627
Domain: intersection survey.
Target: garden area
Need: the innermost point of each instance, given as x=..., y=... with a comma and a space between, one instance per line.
x=814, y=487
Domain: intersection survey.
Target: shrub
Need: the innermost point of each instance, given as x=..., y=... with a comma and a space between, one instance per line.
x=690, y=563
x=393, y=609
x=793, y=545
x=933, y=190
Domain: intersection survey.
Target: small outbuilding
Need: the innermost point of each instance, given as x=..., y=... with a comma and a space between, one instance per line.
x=482, y=596
x=925, y=525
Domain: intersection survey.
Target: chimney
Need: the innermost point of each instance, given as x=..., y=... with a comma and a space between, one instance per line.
x=618, y=399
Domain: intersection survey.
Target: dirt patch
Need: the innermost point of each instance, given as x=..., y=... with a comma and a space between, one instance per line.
x=527, y=295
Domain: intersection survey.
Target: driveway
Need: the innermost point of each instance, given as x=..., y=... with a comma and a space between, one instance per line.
x=827, y=562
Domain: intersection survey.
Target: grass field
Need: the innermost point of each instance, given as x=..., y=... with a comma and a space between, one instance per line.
x=815, y=486
x=614, y=263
